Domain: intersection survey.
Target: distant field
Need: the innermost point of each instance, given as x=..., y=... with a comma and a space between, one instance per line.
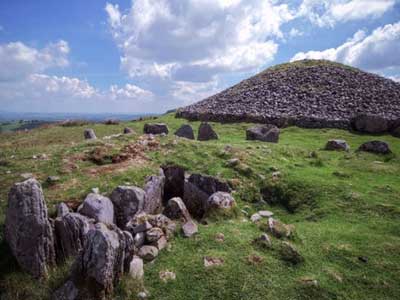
x=346, y=217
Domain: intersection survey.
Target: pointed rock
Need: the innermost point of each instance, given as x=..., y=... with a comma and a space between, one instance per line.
x=206, y=132
x=185, y=131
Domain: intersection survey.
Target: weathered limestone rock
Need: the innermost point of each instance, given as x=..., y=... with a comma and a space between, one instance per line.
x=185, y=131
x=370, y=124
x=377, y=147
x=89, y=134
x=62, y=209
x=128, y=201
x=206, y=133
x=154, y=234
x=139, y=239
x=220, y=201
x=136, y=268
x=70, y=232
x=98, y=207
x=139, y=223
x=154, y=193
x=337, y=145
x=163, y=222
x=174, y=182
x=148, y=253
x=189, y=229
x=155, y=128
x=28, y=231
x=264, y=133
x=176, y=209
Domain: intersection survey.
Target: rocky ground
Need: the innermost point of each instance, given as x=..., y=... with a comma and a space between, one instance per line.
x=305, y=93
x=305, y=223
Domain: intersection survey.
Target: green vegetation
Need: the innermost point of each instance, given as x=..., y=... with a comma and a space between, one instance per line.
x=345, y=208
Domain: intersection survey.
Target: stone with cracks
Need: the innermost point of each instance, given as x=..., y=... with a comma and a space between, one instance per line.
x=98, y=207
x=128, y=201
x=185, y=131
x=154, y=193
x=155, y=128
x=28, y=231
x=70, y=232
x=89, y=134
x=265, y=133
x=337, y=145
x=206, y=133
x=154, y=234
x=377, y=147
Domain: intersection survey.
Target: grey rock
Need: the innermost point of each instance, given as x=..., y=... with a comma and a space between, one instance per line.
x=128, y=130
x=28, y=231
x=148, y=253
x=128, y=201
x=163, y=222
x=337, y=145
x=370, y=123
x=53, y=179
x=189, y=229
x=290, y=253
x=206, y=133
x=377, y=147
x=139, y=239
x=220, y=201
x=89, y=134
x=176, y=209
x=185, y=131
x=155, y=128
x=70, y=231
x=98, y=207
x=264, y=133
x=62, y=209
x=161, y=243
x=154, y=234
x=265, y=213
x=68, y=291
x=136, y=268
x=154, y=194
x=255, y=217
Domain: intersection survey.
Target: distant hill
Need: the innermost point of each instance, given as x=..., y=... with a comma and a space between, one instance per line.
x=308, y=93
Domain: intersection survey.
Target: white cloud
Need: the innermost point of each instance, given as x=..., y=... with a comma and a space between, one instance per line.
x=294, y=32
x=329, y=12
x=395, y=78
x=377, y=51
x=18, y=60
x=164, y=38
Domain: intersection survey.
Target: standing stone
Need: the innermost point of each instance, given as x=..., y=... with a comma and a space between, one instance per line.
x=98, y=207
x=89, y=134
x=154, y=193
x=127, y=200
x=339, y=145
x=377, y=147
x=370, y=124
x=70, y=231
x=264, y=133
x=174, y=182
x=155, y=128
x=185, y=131
x=28, y=231
x=206, y=132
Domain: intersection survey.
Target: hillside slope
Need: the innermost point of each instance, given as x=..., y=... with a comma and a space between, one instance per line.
x=308, y=93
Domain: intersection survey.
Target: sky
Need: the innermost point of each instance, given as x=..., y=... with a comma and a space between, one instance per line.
x=139, y=56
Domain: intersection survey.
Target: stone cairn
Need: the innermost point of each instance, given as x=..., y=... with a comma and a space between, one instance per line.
x=108, y=236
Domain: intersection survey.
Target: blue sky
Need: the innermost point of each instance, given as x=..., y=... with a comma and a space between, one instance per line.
x=153, y=55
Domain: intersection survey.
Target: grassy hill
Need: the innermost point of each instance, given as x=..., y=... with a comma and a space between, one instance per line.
x=346, y=215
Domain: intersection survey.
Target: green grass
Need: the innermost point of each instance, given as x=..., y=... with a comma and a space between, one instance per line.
x=347, y=206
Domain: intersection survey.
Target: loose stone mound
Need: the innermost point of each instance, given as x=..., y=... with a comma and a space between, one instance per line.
x=206, y=132
x=337, y=145
x=377, y=147
x=155, y=128
x=309, y=93
x=185, y=131
x=265, y=133
x=89, y=134
x=27, y=229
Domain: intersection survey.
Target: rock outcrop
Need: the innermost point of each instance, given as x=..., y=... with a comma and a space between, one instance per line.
x=308, y=93
x=28, y=231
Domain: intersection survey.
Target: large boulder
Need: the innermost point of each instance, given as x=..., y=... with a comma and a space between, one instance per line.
x=128, y=201
x=206, y=132
x=174, y=182
x=185, y=131
x=70, y=231
x=106, y=255
x=155, y=128
x=98, y=207
x=338, y=145
x=154, y=193
x=89, y=134
x=370, y=123
x=264, y=133
x=377, y=147
x=28, y=231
